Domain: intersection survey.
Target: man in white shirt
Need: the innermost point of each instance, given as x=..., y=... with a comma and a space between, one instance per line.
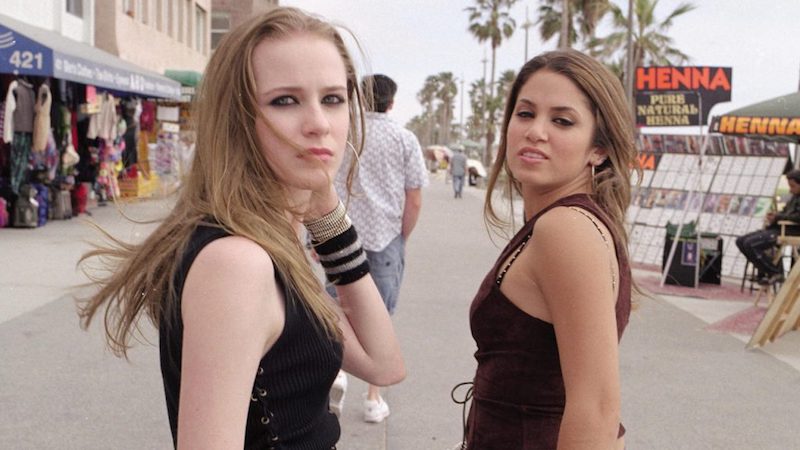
x=385, y=203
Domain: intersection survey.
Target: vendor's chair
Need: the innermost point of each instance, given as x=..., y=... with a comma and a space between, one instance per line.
x=784, y=242
x=788, y=247
x=787, y=240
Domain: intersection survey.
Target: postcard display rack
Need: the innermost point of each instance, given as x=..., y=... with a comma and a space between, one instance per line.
x=733, y=189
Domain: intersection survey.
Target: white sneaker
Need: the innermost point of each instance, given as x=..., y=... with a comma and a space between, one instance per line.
x=338, y=391
x=375, y=410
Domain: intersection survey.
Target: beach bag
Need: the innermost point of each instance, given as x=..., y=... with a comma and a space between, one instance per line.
x=26, y=208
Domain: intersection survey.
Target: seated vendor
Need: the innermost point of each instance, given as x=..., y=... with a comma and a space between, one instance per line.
x=759, y=246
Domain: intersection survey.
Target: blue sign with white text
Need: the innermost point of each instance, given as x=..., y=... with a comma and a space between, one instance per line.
x=22, y=56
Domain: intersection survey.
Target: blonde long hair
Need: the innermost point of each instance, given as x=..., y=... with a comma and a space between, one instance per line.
x=614, y=132
x=230, y=184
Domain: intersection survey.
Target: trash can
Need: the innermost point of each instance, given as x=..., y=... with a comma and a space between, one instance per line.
x=694, y=261
x=683, y=269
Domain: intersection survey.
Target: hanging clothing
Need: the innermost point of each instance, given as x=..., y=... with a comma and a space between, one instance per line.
x=8, y=118
x=147, y=118
x=20, y=152
x=41, y=122
x=23, y=113
x=104, y=124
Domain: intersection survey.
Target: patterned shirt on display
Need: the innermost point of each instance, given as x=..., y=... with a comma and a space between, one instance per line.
x=390, y=164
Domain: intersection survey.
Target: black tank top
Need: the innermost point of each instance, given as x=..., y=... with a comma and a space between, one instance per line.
x=518, y=393
x=289, y=402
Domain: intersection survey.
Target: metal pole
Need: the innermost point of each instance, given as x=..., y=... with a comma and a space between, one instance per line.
x=630, y=66
x=689, y=199
x=525, y=26
x=461, y=119
x=487, y=148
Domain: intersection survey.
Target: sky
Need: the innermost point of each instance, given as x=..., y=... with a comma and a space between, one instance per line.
x=409, y=40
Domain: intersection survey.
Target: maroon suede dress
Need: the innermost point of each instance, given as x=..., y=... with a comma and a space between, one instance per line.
x=518, y=392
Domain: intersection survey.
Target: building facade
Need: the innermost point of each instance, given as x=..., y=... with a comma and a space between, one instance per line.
x=159, y=35
x=227, y=14
x=73, y=19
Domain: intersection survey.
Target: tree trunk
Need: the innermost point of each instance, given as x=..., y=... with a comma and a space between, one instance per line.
x=563, y=40
x=430, y=126
x=630, y=67
x=487, y=157
x=446, y=122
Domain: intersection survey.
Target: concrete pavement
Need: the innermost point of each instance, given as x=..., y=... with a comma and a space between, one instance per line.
x=684, y=387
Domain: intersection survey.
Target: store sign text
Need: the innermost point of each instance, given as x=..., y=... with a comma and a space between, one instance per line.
x=24, y=59
x=667, y=109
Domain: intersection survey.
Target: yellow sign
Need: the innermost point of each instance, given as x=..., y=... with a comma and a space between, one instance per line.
x=771, y=126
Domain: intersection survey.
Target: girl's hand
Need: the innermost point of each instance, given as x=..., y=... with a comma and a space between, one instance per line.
x=321, y=203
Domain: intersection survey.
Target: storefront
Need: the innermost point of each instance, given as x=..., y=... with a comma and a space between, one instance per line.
x=77, y=123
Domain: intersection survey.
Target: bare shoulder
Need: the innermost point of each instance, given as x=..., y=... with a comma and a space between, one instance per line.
x=572, y=233
x=231, y=276
x=235, y=254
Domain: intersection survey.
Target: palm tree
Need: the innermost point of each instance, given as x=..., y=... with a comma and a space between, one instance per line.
x=446, y=93
x=426, y=97
x=418, y=125
x=490, y=21
x=476, y=123
x=504, y=84
x=573, y=18
x=651, y=44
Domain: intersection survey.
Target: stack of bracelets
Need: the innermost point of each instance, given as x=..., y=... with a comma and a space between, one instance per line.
x=336, y=242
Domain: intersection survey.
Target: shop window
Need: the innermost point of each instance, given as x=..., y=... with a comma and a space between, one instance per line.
x=127, y=7
x=220, y=25
x=200, y=30
x=75, y=7
x=181, y=22
x=143, y=10
x=134, y=8
x=168, y=14
x=187, y=19
x=164, y=16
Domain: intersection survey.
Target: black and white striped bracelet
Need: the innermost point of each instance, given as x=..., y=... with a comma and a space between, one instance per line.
x=342, y=257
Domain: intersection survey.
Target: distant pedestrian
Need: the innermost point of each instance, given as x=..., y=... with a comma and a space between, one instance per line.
x=549, y=315
x=385, y=205
x=458, y=169
x=249, y=341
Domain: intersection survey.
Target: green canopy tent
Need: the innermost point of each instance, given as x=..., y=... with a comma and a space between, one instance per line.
x=184, y=77
x=777, y=119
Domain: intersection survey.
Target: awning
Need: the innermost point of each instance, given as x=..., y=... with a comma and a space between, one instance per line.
x=29, y=50
x=185, y=77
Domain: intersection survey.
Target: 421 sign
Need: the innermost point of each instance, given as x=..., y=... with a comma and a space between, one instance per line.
x=22, y=56
x=26, y=60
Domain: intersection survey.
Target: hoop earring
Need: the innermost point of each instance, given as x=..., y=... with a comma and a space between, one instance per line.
x=593, y=171
x=355, y=153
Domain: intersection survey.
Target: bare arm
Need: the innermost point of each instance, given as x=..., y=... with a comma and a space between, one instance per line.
x=573, y=267
x=411, y=210
x=371, y=349
x=232, y=314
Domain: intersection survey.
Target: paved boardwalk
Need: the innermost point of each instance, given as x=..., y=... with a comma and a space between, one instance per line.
x=684, y=387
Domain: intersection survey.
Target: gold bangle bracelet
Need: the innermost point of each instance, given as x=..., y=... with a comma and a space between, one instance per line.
x=330, y=225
